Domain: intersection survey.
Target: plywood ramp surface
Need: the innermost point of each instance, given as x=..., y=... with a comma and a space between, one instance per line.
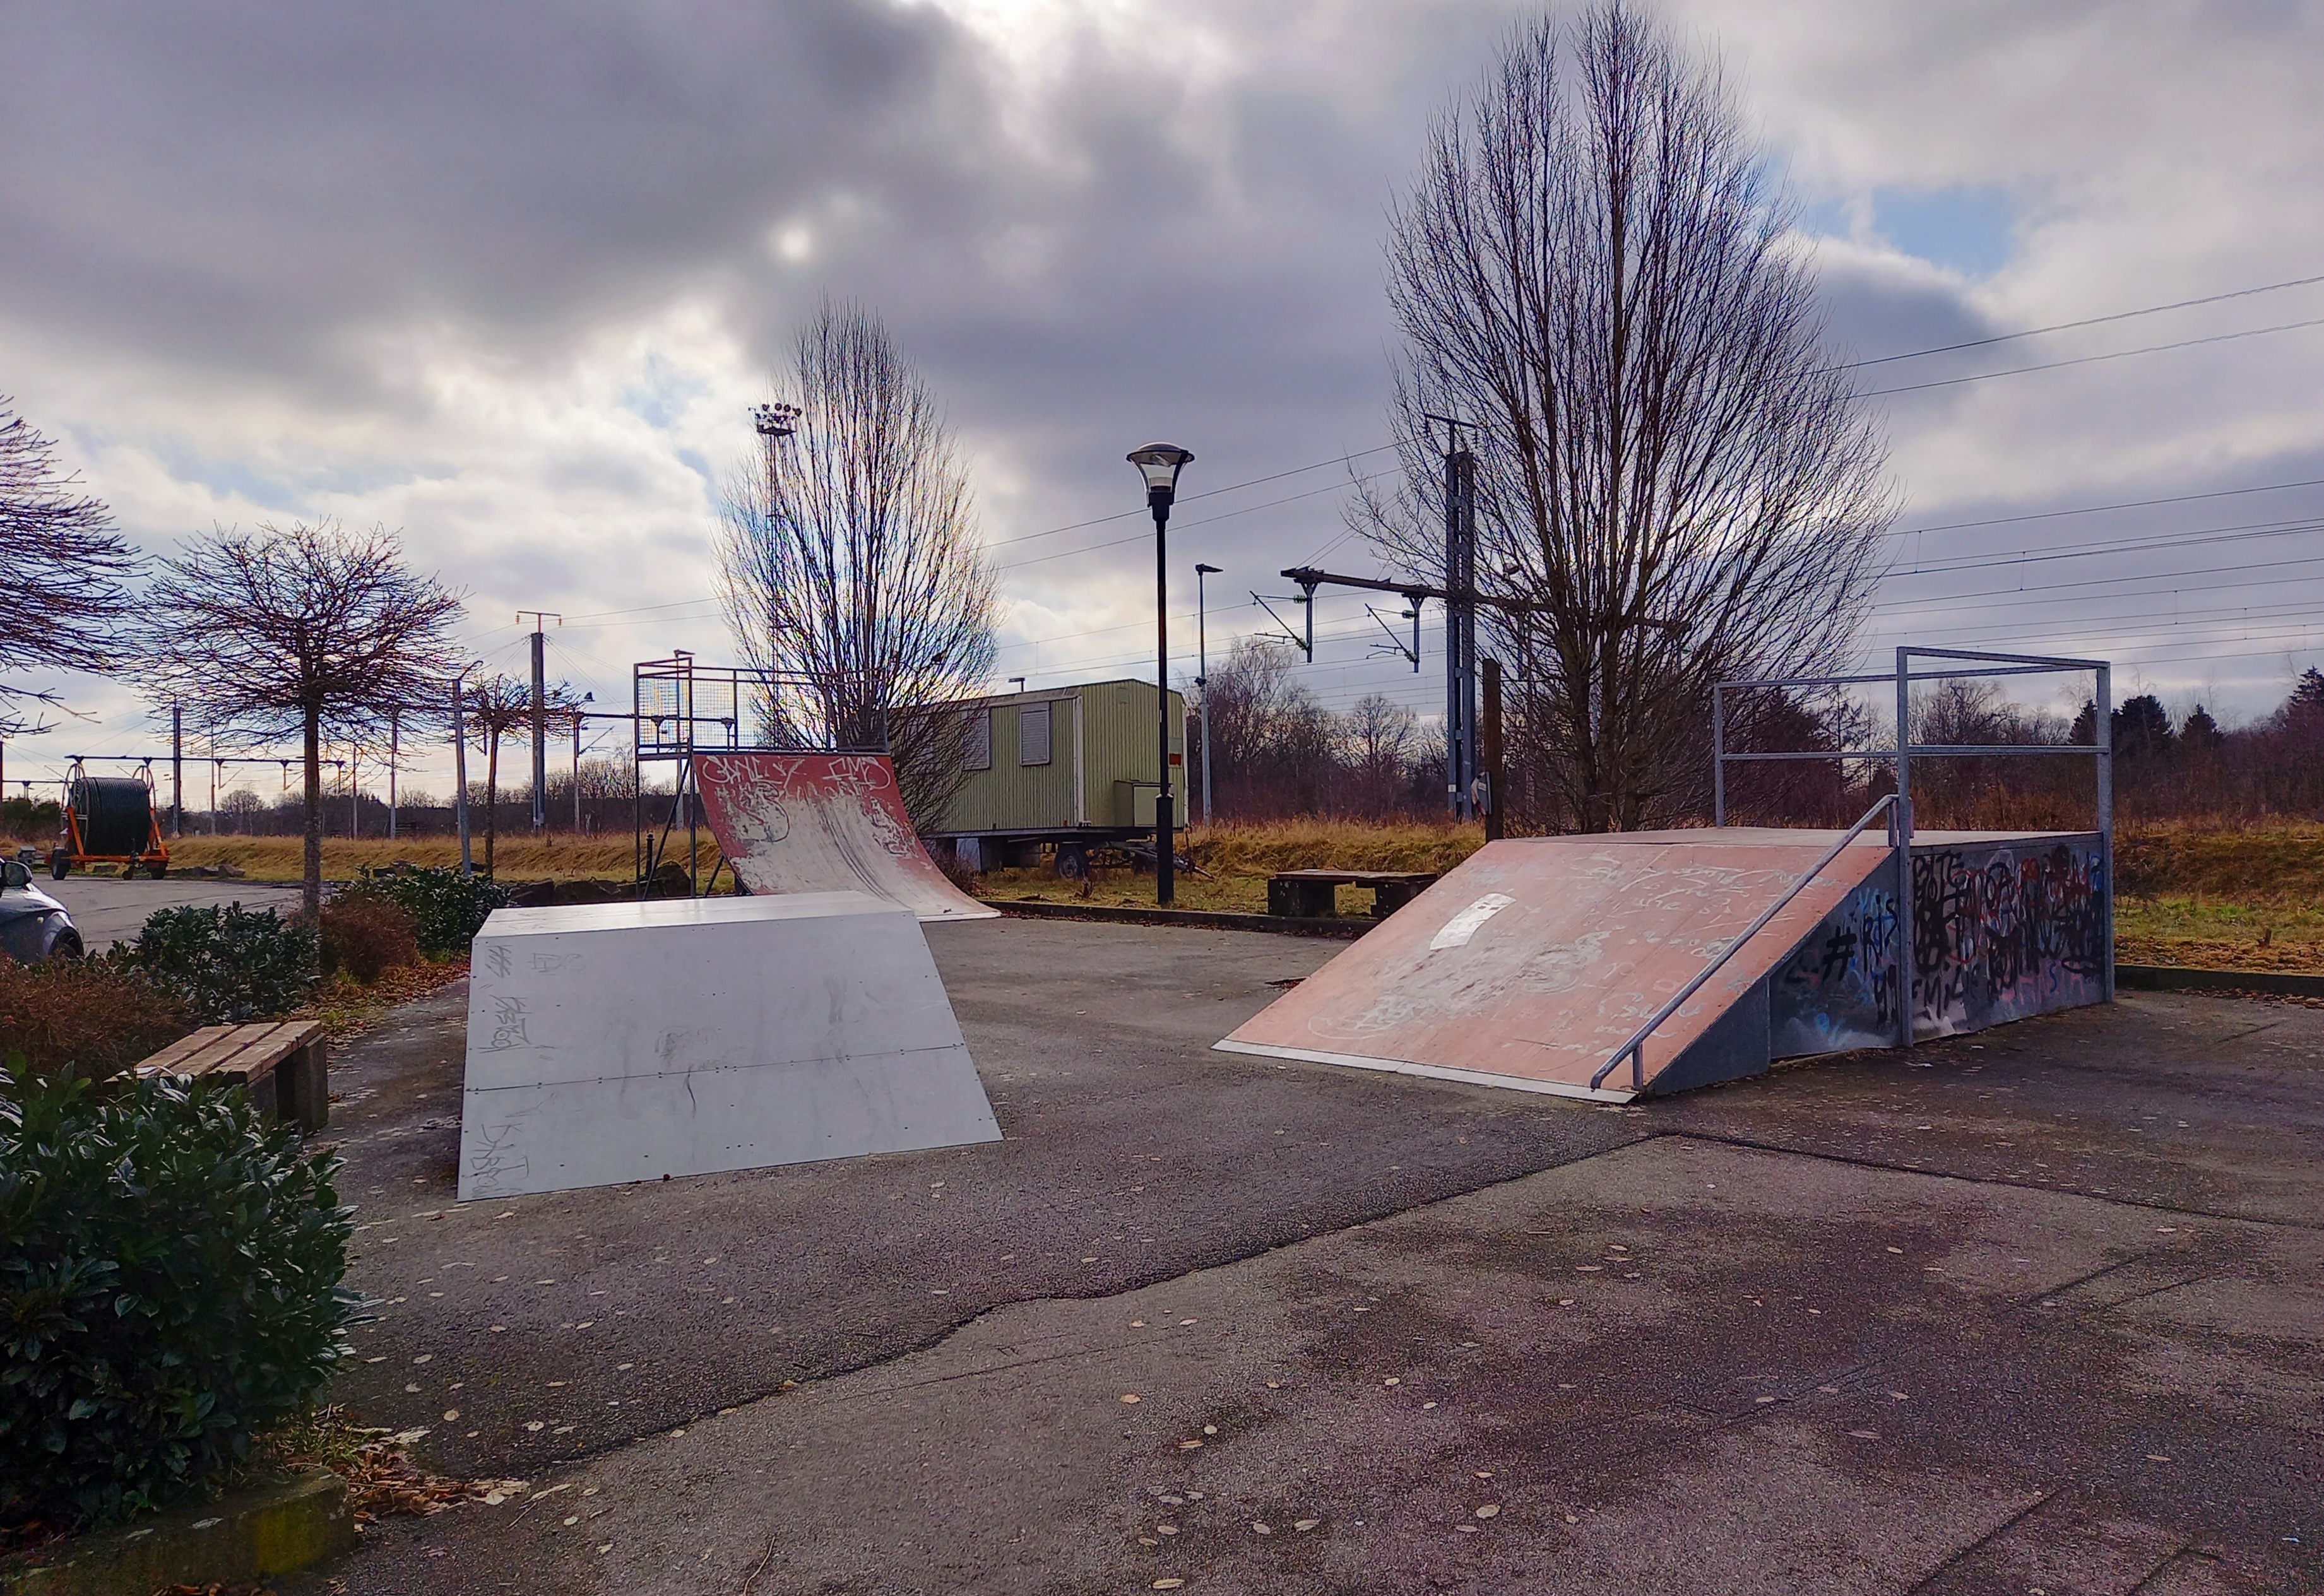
x=823, y=823
x=1533, y=961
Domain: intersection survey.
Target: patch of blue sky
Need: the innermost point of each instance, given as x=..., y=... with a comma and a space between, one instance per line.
x=1968, y=228
x=662, y=397
x=694, y=461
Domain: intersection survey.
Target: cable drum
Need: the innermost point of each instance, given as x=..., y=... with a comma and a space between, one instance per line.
x=115, y=814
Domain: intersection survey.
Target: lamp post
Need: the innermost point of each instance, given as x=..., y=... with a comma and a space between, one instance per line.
x=1203, y=673
x=1159, y=464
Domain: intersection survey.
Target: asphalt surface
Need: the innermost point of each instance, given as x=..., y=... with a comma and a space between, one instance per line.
x=107, y=910
x=2034, y=1310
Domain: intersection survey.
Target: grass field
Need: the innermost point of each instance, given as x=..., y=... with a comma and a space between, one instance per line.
x=2212, y=896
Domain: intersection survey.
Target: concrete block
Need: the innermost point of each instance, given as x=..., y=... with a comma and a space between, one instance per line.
x=627, y=1041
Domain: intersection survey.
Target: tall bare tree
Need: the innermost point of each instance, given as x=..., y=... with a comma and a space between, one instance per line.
x=1377, y=738
x=66, y=571
x=304, y=630
x=1593, y=270
x=851, y=563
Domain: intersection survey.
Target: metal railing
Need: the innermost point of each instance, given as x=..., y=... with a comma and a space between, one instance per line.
x=1635, y=1049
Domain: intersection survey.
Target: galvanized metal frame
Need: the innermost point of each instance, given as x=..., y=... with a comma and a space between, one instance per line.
x=1984, y=664
x=658, y=736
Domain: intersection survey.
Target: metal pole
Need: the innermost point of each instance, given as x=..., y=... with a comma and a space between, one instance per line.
x=214, y=776
x=1165, y=886
x=176, y=770
x=354, y=812
x=540, y=728
x=1455, y=790
x=1203, y=676
x=1468, y=607
x=1496, y=825
x=394, y=751
x=577, y=772
x=461, y=781
x=2104, y=732
x=1905, y=846
x=1717, y=759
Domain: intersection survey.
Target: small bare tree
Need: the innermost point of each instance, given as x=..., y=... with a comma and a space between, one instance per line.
x=303, y=630
x=851, y=564
x=66, y=567
x=1593, y=271
x=496, y=705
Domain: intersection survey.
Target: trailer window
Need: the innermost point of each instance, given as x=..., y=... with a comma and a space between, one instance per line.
x=976, y=739
x=1033, y=735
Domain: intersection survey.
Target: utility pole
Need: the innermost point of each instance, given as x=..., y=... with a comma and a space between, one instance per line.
x=577, y=772
x=394, y=749
x=1203, y=673
x=460, y=778
x=1459, y=620
x=540, y=713
x=176, y=770
x=355, y=801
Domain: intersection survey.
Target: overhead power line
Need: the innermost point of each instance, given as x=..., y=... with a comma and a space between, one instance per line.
x=2019, y=371
x=2035, y=332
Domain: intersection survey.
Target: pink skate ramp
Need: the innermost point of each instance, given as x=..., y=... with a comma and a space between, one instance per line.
x=823, y=823
x=1531, y=963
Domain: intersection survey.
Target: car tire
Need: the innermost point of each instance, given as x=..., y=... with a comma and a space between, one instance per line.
x=67, y=946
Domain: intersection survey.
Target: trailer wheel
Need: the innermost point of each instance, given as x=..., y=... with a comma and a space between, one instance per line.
x=1073, y=863
x=60, y=865
x=157, y=871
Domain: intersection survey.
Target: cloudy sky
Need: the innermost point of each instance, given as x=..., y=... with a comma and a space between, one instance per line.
x=507, y=277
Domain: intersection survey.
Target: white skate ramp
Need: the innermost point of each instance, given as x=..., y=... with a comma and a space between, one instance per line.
x=627, y=1041
x=823, y=823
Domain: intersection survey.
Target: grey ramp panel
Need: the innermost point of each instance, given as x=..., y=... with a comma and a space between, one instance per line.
x=621, y=1042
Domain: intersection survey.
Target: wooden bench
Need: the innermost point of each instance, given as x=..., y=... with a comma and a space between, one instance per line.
x=1309, y=894
x=280, y=1063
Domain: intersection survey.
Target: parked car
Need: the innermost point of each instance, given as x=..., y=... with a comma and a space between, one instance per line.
x=33, y=925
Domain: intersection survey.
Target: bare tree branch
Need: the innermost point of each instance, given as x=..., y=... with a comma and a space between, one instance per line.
x=851, y=564
x=310, y=629
x=67, y=569
x=1593, y=268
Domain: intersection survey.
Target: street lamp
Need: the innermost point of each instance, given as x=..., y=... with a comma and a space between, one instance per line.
x=1203, y=673
x=1159, y=464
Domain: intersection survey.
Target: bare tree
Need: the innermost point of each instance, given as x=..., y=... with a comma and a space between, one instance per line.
x=1271, y=742
x=1593, y=270
x=851, y=564
x=1376, y=739
x=496, y=704
x=66, y=568
x=305, y=629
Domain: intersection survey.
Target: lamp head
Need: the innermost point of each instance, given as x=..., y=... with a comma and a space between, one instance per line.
x=774, y=420
x=1159, y=464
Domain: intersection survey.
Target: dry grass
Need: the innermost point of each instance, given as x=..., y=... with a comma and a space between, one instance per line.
x=556, y=857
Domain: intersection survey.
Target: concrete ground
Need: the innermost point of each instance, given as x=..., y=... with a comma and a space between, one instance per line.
x=2038, y=1310
x=107, y=910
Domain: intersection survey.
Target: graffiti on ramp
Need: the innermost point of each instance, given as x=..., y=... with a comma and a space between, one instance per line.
x=823, y=823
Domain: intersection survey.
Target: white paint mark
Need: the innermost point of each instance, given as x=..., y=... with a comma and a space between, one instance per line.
x=1463, y=925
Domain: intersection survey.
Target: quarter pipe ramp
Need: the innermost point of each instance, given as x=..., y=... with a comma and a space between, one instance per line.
x=1530, y=964
x=823, y=823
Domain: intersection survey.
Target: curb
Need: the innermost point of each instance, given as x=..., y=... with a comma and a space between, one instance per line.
x=2178, y=978
x=245, y=1535
x=1212, y=920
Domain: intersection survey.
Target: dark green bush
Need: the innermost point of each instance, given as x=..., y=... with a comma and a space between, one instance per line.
x=446, y=911
x=91, y=1017
x=364, y=935
x=230, y=963
x=170, y=1286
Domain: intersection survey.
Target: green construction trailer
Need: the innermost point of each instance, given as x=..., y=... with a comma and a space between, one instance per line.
x=1058, y=772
